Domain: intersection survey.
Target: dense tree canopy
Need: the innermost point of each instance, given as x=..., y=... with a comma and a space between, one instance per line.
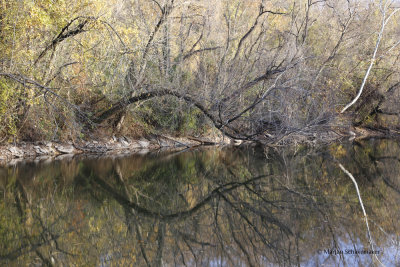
x=252, y=69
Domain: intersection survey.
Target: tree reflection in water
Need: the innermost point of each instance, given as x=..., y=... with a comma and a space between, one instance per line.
x=207, y=207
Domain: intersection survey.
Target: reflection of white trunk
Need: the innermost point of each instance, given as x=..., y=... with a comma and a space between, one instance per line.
x=362, y=207
x=383, y=8
x=358, y=194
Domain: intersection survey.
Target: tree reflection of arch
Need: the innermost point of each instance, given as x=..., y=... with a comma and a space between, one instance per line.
x=249, y=210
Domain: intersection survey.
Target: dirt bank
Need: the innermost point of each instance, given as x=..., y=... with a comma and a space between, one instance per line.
x=113, y=145
x=124, y=145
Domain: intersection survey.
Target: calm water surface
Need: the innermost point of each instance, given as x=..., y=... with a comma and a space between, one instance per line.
x=205, y=207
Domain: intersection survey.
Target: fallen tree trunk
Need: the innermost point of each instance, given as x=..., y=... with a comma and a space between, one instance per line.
x=144, y=96
x=119, y=106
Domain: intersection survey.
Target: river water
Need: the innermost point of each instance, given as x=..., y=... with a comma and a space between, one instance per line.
x=205, y=207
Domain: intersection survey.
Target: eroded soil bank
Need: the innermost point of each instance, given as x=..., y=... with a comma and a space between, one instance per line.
x=123, y=145
x=112, y=145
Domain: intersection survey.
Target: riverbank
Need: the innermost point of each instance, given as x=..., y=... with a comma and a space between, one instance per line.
x=112, y=145
x=125, y=145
